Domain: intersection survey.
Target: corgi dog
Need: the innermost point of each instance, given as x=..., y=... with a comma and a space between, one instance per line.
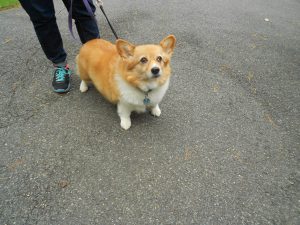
x=135, y=78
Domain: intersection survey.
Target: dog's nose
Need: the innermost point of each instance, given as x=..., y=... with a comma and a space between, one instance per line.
x=155, y=71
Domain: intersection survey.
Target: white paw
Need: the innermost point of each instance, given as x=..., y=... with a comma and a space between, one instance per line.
x=83, y=86
x=156, y=111
x=125, y=123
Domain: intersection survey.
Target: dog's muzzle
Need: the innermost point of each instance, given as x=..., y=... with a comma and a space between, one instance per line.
x=155, y=72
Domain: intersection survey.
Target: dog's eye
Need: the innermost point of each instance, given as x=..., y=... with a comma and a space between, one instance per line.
x=159, y=59
x=144, y=60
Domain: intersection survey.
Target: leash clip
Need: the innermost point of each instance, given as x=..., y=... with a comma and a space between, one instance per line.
x=99, y=3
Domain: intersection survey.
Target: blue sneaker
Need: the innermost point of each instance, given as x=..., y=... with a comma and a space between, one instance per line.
x=62, y=79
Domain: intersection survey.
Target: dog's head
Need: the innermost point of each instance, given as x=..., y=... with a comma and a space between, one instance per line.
x=147, y=63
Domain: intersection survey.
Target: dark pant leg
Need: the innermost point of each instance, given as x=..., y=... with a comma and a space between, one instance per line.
x=42, y=15
x=85, y=23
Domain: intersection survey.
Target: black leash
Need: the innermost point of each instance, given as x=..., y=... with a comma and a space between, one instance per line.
x=100, y=3
x=88, y=7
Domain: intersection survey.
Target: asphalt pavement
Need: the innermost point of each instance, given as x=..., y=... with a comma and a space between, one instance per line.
x=224, y=151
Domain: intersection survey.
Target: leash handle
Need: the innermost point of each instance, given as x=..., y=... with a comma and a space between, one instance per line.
x=99, y=3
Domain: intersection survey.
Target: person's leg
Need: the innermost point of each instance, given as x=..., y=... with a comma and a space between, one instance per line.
x=85, y=23
x=42, y=15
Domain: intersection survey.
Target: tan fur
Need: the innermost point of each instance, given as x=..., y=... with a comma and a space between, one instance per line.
x=100, y=61
x=96, y=62
x=121, y=76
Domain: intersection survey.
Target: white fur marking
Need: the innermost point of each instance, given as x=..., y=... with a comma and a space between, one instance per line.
x=83, y=86
x=156, y=111
x=125, y=123
x=135, y=97
x=132, y=99
x=124, y=114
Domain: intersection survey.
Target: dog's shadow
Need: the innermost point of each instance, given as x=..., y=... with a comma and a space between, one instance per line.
x=142, y=117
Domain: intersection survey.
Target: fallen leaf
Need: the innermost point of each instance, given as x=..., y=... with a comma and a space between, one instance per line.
x=187, y=154
x=216, y=88
x=237, y=156
x=269, y=119
x=15, y=164
x=250, y=76
x=259, y=36
x=225, y=68
x=6, y=41
x=253, y=46
x=63, y=183
x=253, y=90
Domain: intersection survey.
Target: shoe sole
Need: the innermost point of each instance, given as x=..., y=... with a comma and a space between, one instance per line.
x=61, y=91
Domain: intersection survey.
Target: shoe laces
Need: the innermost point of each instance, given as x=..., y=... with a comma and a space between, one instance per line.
x=60, y=74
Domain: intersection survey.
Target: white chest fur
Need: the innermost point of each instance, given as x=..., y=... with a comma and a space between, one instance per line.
x=135, y=97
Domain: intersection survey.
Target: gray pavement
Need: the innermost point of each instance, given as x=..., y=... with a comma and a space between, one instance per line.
x=224, y=151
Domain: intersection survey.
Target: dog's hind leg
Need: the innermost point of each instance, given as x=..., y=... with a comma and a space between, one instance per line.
x=83, y=86
x=83, y=76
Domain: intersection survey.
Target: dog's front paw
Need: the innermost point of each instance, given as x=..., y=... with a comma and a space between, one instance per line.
x=125, y=123
x=156, y=111
x=83, y=86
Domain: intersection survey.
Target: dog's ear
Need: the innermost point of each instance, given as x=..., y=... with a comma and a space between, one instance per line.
x=168, y=44
x=124, y=48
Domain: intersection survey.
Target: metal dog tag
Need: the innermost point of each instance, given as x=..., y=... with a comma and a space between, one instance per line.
x=146, y=100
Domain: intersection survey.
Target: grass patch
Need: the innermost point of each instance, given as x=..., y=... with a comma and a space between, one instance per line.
x=6, y=4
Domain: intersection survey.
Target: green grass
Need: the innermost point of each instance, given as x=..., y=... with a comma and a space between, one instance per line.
x=5, y=4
